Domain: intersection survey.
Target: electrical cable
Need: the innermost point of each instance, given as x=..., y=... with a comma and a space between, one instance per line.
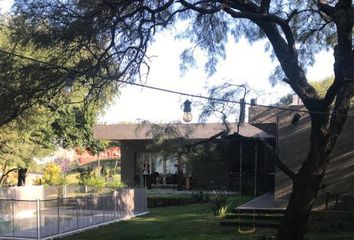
x=173, y=91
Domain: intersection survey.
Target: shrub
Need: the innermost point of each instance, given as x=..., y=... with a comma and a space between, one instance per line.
x=38, y=181
x=98, y=182
x=200, y=197
x=115, y=182
x=52, y=174
x=218, y=203
x=84, y=176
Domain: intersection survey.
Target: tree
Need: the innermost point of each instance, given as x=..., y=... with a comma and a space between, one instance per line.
x=120, y=32
x=20, y=141
x=323, y=86
x=52, y=174
x=32, y=75
x=172, y=140
x=223, y=110
x=48, y=118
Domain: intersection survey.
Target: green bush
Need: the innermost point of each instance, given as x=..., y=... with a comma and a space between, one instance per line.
x=84, y=176
x=115, y=182
x=218, y=203
x=52, y=174
x=200, y=197
x=98, y=182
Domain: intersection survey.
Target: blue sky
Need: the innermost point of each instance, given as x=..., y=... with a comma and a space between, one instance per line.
x=136, y=104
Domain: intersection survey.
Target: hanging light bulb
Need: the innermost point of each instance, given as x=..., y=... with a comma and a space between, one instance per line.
x=187, y=111
x=68, y=86
x=296, y=119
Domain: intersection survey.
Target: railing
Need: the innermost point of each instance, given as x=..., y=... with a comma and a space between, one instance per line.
x=44, y=219
x=339, y=202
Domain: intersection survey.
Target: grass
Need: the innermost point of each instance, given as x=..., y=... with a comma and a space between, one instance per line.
x=328, y=235
x=71, y=178
x=187, y=222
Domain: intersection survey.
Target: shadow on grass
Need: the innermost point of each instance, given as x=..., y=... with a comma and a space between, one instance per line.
x=187, y=222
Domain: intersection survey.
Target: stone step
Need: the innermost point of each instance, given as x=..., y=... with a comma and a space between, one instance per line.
x=259, y=210
x=258, y=216
x=249, y=223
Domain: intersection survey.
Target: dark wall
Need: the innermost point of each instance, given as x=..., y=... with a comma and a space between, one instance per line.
x=294, y=143
x=221, y=167
x=129, y=151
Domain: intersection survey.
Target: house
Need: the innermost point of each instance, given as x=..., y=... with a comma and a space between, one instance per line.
x=85, y=156
x=135, y=138
x=293, y=146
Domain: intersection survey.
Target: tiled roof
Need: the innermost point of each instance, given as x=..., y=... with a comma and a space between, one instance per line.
x=198, y=131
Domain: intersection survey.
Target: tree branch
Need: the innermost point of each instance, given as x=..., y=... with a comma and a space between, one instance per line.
x=265, y=4
x=281, y=165
x=327, y=9
x=340, y=111
x=202, y=10
x=256, y=17
x=6, y=173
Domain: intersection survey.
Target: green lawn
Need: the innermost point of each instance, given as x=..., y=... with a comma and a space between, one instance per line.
x=188, y=222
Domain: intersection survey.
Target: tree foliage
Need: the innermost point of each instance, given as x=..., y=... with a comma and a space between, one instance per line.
x=173, y=141
x=323, y=86
x=110, y=38
x=52, y=174
x=227, y=108
x=20, y=141
x=63, y=121
x=34, y=76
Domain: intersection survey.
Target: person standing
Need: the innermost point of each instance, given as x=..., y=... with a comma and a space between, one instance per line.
x=146, y=173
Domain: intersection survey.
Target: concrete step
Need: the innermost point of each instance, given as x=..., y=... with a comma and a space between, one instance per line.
x=257, y=216
x=259, y=210
x=249, y=223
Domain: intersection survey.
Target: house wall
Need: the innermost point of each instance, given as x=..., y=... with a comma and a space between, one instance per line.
x=293, y=145
x=219, y=169
x=86, y=156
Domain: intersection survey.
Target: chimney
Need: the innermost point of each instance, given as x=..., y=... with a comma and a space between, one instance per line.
x=253, y=101
x=296, y=101
x=242, y=111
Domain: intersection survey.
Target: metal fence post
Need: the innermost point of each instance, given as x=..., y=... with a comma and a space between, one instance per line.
x=58, y=215
x=103, y=202
x=13, y=216
x=115, y=203
x=38, y=220
x=77, y=213
x=141, y=200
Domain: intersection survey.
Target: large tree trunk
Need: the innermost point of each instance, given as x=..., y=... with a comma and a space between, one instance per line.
x=305, y=189
x=21, y=178
x=307, y=182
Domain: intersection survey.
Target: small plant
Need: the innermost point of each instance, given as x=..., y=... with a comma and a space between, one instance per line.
x=223, y=210
x=84, y=176
x=52, y=174
x=218, y=203
x=116, y=182
x=98, y=182
x=200, y=197
x=37, y=181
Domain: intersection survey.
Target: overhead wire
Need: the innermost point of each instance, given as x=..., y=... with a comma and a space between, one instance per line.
x=173, y=91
